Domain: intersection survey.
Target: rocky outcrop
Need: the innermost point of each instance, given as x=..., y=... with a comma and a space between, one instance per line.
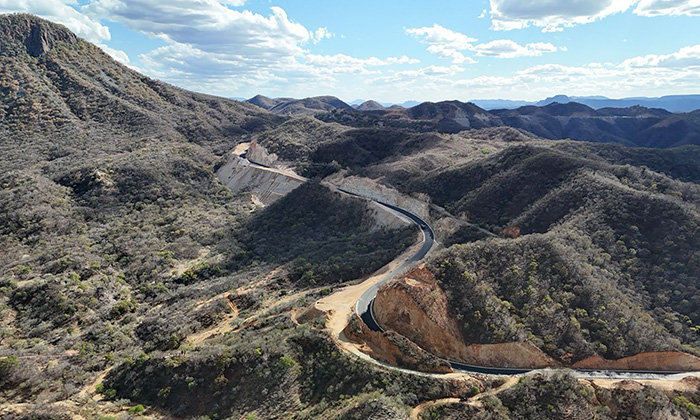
x=37, y=36
x=370, y=188
x=381, y=217
x=515, y=355
x=393, y=348
x=259, y=154
x=660, y=361
x=416, y=307
x=265, y=186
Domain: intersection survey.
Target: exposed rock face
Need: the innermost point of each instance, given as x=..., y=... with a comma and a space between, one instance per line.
x=369, y=188
x=383, y=218
x=662, y=360
x=259, y=154
x=393, y=348
x=266, y=186
x=516, y=354
x=38, y=36
x=416, y=307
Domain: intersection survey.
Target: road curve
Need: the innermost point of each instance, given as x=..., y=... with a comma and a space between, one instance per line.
x=365, y=308
x=365, y=304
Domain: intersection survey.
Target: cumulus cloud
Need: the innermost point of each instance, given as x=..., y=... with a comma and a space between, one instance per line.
x=402, y=60
x=320, y=33
x=445, y=43
x=342, y=63
x=653, y=75
x=210, y=43
x=118, y=55
x=439, y=35
x=552, y=15
x=668, y=7
x=448, y=44
x=208, y=25
x=686, y=57
x=505, y=48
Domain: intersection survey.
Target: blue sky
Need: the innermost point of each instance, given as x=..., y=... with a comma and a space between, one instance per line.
x=393, y=51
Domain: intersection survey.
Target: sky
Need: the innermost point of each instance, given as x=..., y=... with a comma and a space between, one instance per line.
x=397, y=50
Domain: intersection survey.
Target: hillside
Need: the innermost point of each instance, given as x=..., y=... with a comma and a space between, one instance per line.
x=600, y=226
x=119, y=245
x=58, y=87
x=671, y=103
x=135, y=284
x=299, y=107
x=633, y=126
x=592, y=236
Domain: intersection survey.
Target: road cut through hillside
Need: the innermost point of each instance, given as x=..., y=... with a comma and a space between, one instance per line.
x=342, y=305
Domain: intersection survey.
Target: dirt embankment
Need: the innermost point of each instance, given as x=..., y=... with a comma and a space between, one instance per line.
x=393, y=348
x=416, y=307
x=266, y=186
x=370, y=188
x=661, y=361
x=259, y=154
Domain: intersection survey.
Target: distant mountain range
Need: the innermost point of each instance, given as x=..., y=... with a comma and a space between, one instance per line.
x=554, y=118
x=671, y=103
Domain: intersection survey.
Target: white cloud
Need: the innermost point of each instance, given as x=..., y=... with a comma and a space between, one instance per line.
x=653, y=75
x=448, y=44
x=445, y=43
x=118, y=55
x=505, y=48
x=59, y=11
x=402, y=60
x=685, y=58
x=210, y=44
x=320, y=34
x=342, y=63
x=552, y=15
x=439, y=35
x=208, y=25
x=668, y=7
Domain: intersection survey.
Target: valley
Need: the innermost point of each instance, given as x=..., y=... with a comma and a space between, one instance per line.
x=169, y=254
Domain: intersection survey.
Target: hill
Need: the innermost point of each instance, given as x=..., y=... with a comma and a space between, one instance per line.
x=119, y=244
x=635, y=126
x=133, y=282
x=57, y=86
x=599, y=226
x=671, y=103
x=370, y=106
x=591, y=235
x=299, y=107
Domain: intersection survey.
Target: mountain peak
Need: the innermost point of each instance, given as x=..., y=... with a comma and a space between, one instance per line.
x=32, y=34
x=370, y=105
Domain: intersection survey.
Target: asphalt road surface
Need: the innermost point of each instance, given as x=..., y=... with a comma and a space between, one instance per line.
x=365, y=308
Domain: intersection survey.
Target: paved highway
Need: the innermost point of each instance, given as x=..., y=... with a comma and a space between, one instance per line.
x=365, y=305
x=365, y=308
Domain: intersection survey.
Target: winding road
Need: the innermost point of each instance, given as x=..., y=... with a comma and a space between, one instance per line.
x=365, y=304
